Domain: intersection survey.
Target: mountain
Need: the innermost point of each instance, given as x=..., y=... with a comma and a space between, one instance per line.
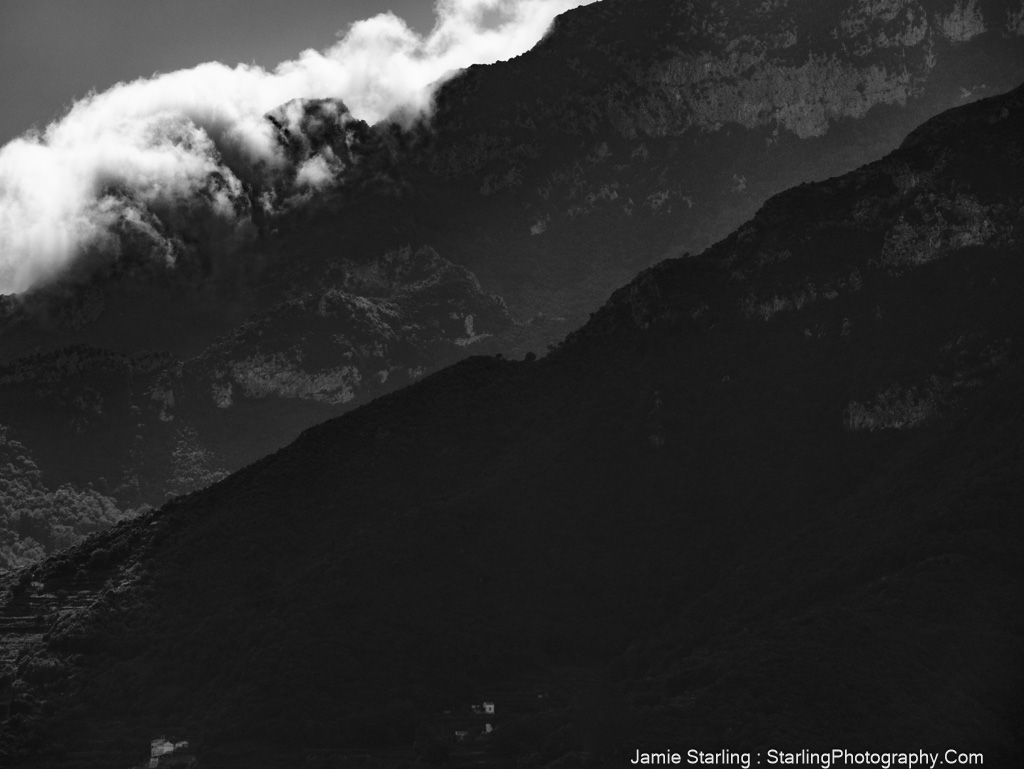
x=634, y=131
x=764, y=499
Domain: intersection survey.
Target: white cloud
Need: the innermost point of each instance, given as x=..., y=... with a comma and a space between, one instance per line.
x=154, y=141
x=315, y=172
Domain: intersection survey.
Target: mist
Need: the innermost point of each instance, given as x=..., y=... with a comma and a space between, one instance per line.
x=187, y=140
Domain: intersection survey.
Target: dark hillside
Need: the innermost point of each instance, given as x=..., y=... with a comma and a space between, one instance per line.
x=766, y=498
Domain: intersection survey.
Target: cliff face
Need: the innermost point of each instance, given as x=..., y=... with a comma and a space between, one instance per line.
x=791, y=65
x=704, y=109
x=803, y=69
x=372, y=329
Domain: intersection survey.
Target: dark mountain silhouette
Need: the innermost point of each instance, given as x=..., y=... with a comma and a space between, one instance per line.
x=766, y=498
x=636, y=130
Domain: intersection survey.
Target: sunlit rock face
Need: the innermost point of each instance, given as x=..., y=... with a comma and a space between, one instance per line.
x=657, y=126
x=787, y=64
x=405, y=312
x=938, y=225
x=783, y=76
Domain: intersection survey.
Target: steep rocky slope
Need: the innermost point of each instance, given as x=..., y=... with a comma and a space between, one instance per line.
x=765, y=499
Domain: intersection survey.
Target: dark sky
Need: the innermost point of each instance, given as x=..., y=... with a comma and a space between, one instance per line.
x=53, y=51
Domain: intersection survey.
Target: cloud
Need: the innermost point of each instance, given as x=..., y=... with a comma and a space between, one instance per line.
x=133, y=158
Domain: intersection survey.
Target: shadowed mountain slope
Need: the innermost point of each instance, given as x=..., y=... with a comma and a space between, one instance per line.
x=766, y=498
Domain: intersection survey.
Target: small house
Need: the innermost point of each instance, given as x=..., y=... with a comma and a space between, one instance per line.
x=164, y=753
